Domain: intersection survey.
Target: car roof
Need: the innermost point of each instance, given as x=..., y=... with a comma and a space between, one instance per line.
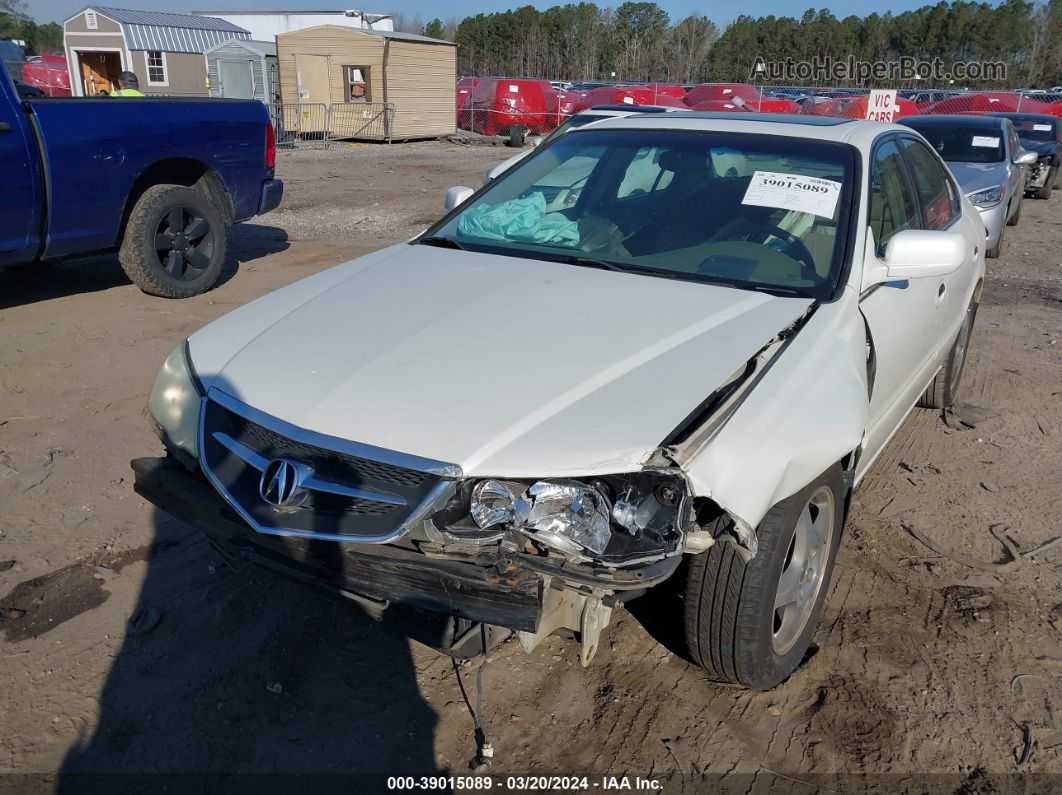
x=1044, y=117
x=955, y=120
x=624, y=108
x=858, y=132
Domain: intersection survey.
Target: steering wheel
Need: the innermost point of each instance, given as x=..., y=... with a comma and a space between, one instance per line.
x=795, y=248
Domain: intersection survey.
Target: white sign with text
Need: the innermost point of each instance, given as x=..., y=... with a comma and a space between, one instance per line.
x=882, y=105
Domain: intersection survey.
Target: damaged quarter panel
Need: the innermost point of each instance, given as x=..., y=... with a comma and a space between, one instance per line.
x=808, y=411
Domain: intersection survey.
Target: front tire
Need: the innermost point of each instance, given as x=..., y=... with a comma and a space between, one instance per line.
x=751, y=623
x=995, y=251
x=1013, y=220
x=174, y=244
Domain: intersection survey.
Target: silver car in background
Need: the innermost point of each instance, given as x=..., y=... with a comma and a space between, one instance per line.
x=989, y=163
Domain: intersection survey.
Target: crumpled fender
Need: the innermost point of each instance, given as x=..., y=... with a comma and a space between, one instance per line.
x=809, y=410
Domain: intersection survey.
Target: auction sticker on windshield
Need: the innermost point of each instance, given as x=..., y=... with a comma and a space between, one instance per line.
x=987, y=141
x=793, y=192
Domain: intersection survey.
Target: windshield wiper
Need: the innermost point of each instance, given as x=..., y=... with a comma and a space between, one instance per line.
x=440, y=242
x=606, y=265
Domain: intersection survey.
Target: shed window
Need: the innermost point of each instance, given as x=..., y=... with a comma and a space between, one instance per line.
x=91, y=23
x=156, y=67
x=357, y=78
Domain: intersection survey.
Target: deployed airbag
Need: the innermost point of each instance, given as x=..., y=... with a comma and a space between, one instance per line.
x=522, y=220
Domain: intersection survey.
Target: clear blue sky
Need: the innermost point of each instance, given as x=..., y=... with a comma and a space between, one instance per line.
x=720, y=12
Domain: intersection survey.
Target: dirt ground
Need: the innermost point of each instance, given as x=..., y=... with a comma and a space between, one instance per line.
x=928, y=674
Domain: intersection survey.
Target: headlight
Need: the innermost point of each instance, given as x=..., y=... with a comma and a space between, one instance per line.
x=616, y=519
x=989, y=197
x=174, y=406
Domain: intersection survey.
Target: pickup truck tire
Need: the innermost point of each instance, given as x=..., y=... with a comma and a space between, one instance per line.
x=175, y=242
x=941, y=392
x=751, y=623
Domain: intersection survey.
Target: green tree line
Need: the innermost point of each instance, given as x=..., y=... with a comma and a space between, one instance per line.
x=16, y=24
x=637, y=41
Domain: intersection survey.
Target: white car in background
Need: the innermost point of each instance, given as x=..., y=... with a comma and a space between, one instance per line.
x=543, y=407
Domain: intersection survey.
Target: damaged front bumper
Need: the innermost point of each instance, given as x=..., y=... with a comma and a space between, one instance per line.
x=531, y=595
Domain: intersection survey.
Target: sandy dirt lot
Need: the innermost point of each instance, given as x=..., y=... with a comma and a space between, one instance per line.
x=927, y=674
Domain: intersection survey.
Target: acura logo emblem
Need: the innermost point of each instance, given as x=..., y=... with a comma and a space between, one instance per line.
x=281, y=483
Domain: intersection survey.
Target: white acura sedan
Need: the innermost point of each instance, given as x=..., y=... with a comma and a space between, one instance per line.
x=661, y=347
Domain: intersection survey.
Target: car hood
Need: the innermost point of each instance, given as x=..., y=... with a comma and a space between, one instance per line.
x=978, y=176
x=501, y=365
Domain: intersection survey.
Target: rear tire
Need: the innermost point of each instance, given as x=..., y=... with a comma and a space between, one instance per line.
x=940, y=394
x=751, y=623
x=174, y=244
x=1045, y=191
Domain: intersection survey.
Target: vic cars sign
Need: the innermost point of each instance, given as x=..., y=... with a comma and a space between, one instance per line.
x=882, y=105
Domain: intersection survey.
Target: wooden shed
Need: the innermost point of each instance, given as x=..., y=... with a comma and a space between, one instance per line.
x=355, y=74
x=243, y=69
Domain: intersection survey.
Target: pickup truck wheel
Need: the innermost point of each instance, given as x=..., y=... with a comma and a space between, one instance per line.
x=941, y=393
x=174, y=244
x=751, y=623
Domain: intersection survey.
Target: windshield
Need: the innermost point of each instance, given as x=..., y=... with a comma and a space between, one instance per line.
x=574, y=122
x=1030, y=130
x=751, y=211
x=963, y=143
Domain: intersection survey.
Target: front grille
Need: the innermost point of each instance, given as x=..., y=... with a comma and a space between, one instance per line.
x=236, y=449
x=328, y=464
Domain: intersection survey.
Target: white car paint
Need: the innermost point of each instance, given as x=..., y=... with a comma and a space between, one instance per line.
x=523, y=368
x=520, y=401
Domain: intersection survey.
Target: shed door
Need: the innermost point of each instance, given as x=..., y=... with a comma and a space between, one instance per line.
x=237, y=79
x=311, y=78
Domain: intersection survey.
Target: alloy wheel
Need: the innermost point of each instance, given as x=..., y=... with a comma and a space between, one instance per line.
x=804, y=569
x=184, y=243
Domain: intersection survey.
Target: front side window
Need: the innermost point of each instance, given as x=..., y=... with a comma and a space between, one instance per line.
x=940, y=201
x=893, y=207
x=357, y=84
x=156, y=67
x=751, y=211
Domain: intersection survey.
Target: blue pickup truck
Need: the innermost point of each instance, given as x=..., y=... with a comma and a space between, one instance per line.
x=158, y=180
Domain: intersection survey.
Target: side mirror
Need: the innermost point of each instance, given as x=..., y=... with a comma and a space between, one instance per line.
x=1025, y=157
x=917, y=253
x=456, y=195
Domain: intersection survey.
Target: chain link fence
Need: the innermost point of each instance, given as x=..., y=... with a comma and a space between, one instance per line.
x=317, y=125
x=495, y=106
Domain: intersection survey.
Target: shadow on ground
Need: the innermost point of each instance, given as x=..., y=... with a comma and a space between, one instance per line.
x=31, y=284
x=248, y=673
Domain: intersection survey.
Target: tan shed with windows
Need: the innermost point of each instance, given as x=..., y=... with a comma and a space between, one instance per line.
x=356, y=73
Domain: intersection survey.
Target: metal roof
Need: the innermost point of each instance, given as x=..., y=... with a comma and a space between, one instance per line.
x=162, y=30
x=129, y=16
x=258, y=47
x=387, y=34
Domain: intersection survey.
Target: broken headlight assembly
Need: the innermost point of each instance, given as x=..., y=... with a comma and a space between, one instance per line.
x=614, y=520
